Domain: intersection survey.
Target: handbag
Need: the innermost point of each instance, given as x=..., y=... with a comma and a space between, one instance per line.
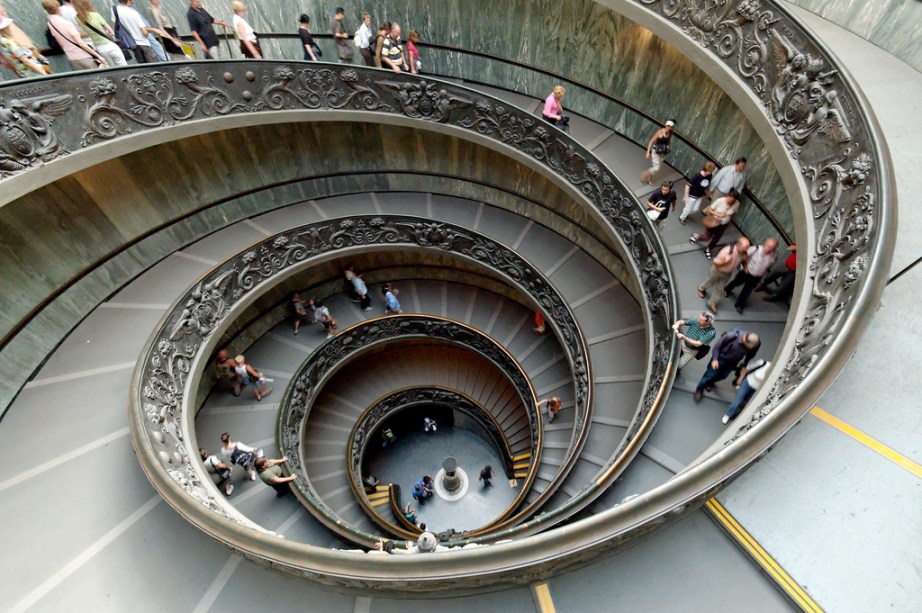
x=702, y=352
x=710, y=221
x=661, y=148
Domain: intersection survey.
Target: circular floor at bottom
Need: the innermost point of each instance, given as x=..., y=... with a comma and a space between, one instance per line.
x=416, y=454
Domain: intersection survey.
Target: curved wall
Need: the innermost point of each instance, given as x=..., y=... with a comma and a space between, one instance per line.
x=578, y=38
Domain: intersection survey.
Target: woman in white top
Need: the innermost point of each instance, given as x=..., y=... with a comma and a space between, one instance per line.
x=247, y=375
x=249, y=46
x=749, y=382
x=240, y=454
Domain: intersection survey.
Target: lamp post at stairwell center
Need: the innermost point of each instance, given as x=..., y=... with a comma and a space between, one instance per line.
x=450, y=479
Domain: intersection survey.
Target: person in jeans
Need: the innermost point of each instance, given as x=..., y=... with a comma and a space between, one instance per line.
x=131, y=20
x=553, y=110
x=759, y=261
x=393, y=305
x=729, y=258
x=749, y=382
x=657, y=150
x=698, y=333
x=80, y=55
x=695, y=191
x=734, y=348
x=201, y=23
x=271, y=474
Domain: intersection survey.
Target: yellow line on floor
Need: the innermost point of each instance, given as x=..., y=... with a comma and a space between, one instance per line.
x=522, y=465
x=761, y=557
x=543, y=597
x=521, y=456
x=867, y=441
x=378, y=503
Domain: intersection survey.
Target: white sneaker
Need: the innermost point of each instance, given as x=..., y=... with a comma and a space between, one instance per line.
x=726, y=419
x=252, y=475
x=229, y=490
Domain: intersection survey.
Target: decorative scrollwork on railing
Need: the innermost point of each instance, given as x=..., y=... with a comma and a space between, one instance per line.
x=168, y=362
x=819, y=118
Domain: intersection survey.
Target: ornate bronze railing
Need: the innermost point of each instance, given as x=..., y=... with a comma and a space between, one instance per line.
x=336, y=353
x=837, y=171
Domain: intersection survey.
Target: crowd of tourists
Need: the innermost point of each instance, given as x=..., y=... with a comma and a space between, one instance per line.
x=90, y=40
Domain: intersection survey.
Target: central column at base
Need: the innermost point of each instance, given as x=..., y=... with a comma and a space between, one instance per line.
x=451, y=481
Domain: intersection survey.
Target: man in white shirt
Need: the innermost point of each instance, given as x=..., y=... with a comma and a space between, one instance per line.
x=729, y=178
x=133, y=23
x=761, y=259
x=365, y=37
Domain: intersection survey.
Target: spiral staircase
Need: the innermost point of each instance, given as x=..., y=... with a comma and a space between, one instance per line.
x=629, y=459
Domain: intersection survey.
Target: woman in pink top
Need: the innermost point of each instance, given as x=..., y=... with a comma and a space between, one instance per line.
x=553, y=111
x=413, y=52
x=81, y=55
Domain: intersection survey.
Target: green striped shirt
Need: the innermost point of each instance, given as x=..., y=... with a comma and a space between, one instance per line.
x=694, y=332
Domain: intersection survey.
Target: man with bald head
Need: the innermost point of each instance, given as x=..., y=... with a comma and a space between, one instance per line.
x=724, y=263
x=760, y=260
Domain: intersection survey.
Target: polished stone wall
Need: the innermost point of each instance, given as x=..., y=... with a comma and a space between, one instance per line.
x=578, y=38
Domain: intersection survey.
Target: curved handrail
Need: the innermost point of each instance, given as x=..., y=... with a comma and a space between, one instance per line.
x=399, y=400
x=171, y=357
x=336, y=352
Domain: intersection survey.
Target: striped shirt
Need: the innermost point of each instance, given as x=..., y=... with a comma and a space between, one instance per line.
x=392, y=50
x=694, y=332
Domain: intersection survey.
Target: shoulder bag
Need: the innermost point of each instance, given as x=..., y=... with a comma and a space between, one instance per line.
x=118, y=42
